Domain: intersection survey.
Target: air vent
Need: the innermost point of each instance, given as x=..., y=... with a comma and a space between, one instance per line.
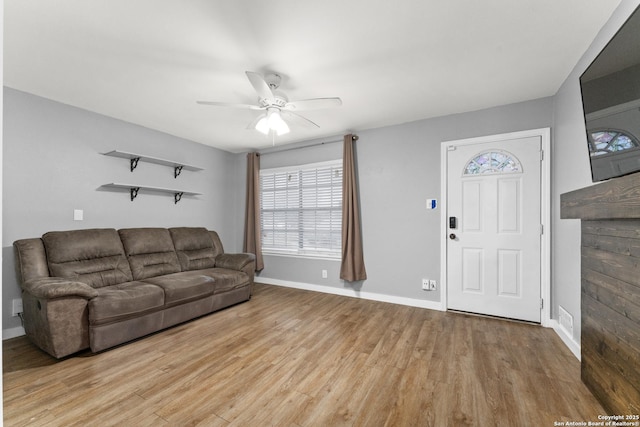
x=566, y=321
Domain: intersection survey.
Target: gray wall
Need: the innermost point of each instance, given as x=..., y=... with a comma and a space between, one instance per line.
x=52, y=165
x=570, y=171
x=399, y=169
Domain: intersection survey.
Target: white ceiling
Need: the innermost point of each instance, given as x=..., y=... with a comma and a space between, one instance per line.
x=149, y=61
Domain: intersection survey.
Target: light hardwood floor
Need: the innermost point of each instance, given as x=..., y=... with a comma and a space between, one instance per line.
x=297, y=358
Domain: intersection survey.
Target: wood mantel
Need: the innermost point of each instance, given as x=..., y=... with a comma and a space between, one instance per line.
x=610, y=296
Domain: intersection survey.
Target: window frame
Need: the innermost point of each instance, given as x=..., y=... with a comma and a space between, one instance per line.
x=333, y=253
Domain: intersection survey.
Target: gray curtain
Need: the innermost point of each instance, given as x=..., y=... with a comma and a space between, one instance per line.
x=352, y=267
x=252, y=236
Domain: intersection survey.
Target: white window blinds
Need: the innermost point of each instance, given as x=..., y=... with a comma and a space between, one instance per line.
x=301, y=209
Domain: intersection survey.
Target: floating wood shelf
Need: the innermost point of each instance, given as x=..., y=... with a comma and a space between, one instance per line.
x=135, y=158
x=135, y=188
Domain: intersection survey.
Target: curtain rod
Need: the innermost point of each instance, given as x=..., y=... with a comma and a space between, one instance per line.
x=272, y=151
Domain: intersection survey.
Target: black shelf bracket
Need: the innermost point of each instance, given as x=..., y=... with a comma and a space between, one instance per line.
x=134, y=192
x=177, y=170
x=134, y=163
x=177, y=197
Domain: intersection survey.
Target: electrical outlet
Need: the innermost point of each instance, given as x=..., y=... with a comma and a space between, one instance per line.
x=425, y=284
x=324, y=274
x=17, y=307
x=432, y=285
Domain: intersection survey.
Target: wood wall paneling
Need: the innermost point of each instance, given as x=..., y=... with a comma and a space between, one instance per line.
x=610, y=214
x=611, y=313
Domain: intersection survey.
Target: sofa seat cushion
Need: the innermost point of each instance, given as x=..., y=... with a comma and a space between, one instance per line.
x=125, y=300
x=226, y=279
x=185, y=286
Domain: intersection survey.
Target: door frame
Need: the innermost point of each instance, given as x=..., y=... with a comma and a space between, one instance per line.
x=545, y=211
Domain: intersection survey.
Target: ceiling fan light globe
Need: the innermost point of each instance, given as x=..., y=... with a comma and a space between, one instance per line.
x=282, y=129
x=263, y=126
x=273, y=115
x=276, y=123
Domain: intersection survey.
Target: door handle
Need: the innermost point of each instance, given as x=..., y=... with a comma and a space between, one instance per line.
x=452, y=236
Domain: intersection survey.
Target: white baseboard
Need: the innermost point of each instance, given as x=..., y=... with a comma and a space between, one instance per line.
x=431, y=305
x=12, y=333
x=573, y=345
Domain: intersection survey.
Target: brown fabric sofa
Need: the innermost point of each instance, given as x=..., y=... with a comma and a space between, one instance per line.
x=98, y=288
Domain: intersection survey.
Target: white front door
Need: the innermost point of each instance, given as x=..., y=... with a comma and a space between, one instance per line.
x=494, y=228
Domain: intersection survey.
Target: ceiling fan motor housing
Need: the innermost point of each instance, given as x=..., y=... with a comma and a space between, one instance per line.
x=279, y=100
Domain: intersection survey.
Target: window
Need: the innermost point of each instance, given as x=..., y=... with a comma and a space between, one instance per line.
x=301, y=209
x=493, y=162
x=611, y=141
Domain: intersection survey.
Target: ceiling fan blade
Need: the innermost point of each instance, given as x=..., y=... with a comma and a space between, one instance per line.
x=297, y=118
x=312, y=104
x=260, y=86
x=226, y=104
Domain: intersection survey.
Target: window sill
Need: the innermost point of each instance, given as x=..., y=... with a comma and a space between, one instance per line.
x=301, y=256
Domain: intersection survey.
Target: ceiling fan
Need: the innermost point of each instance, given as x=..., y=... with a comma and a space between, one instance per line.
x=276, y=107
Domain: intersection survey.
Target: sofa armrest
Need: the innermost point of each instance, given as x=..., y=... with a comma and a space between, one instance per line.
x=235, y=261
x=56, y=287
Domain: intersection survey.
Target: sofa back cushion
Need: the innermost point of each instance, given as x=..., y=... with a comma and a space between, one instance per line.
x=150, y=252
x=195, y=247
x=94, y=256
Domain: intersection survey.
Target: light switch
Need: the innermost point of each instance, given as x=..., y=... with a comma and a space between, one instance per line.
x=432, y=203
x=78, y=214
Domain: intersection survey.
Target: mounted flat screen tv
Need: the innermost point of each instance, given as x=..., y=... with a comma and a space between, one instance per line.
x=611, y=103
